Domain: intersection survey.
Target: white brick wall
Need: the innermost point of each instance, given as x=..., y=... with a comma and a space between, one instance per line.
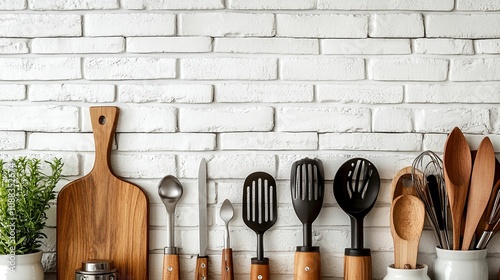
x=250, y=85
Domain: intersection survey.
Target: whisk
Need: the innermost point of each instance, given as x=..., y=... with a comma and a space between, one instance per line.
x=427, y=176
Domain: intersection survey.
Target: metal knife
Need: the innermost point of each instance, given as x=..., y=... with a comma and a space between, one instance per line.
x=201, y=272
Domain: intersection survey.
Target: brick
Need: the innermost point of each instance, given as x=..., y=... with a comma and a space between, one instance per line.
x=12, y=5
x=365, y=93
x=71, y=163
x=408, y=69
x=12, y=92
x=224, y=119
x=78, y=142
x=169, y=44
x=227, y=24
x=134, y=24
x=443, y=46
x=173, y=4
x=322, y=25
x=470, y=5
x=392, y=119
x=462, y=25
x=129, y=68
x=370, y=141
x=12, y=140
x=323, y=119
x=78, y=45
x=469, y=120
x=39, y=118
x=72, y=92
x=453, y=93
x=475, y=69
x=491, y=46
x=396, y=25
x=253, y=93
x=427, y=5
x=272, y=4
x=13, y=46
x=229, y=68
x=165, y=93
x=73, y=4
x=365, y=46
x=495, y=120
x=40, y=68
x=266, y=45
x=143, y=165
x=434, y=142
x=40, y=25
x=166, y=142
x=323, y=68
x=268, y=141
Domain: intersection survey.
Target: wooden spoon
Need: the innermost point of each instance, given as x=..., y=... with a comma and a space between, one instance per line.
x=402, y=183
x=483, y=173
x=407, y=222
x=457, y=169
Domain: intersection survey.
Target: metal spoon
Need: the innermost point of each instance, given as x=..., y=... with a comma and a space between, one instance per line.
x=226, y=214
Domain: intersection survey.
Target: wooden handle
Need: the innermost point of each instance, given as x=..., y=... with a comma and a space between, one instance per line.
x=171, y=270
x=226, y=271
x=104, y=120
x=357, y=267
x=201, y=272
x=259, y=272
x=307, y=266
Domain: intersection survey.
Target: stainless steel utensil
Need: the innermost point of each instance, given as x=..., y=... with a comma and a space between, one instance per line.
x=201, y=272
x=226, y=214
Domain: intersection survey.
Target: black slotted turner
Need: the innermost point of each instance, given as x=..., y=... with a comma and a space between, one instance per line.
x=260, y=212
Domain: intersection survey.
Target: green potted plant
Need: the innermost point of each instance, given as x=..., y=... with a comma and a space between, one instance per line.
x=25, y=193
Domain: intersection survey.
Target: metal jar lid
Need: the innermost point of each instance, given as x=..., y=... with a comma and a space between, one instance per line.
x=97, y=269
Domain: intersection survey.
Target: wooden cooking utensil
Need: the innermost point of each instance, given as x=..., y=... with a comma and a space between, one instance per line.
x=101, y=216
x=402, y=184
x=407, y=222
x=457, y=170
x=483, y=173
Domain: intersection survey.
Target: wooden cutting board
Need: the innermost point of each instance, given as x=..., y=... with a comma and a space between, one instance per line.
x=101, y=216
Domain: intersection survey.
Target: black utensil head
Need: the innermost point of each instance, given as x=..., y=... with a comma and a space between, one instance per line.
x=356, y=186
x=260, y=206
x=307, y=187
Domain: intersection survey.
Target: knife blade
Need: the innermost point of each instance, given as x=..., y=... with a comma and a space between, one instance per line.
x=201, y=272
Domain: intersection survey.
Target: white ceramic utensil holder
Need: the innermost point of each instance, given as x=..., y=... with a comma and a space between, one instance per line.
x=460, y=265
x=406, y=274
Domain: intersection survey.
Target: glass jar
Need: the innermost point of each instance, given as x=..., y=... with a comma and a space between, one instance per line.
x=407, y=274
x=460, y=265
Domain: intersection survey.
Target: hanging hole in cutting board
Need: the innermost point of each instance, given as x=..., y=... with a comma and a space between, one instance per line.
x=102, y=120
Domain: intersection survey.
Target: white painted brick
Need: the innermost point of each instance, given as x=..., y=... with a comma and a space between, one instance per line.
x=166, y=142
x=268, y=141
x=173, y=4
x=263, y=93
x=392, y=119
x=434, y=142
x=40, y=25
x=73, y=4
x=12, y=5
x=365, y=46
x=169, y=44
x=12, y=92
x=133, y=24
x=462, y=25
x=266, y=45
x=322, y=25
x=40, y=68
x=79, y=142
x=143, y=165
x=12, y=140
x=370, y=141
x=78, y=45
x=71, y=162
x=431, y=5
x=147, y=119
x=471, y=5
x=165, y=93
x=129, y=68
x=365, y=93
x=495, y=120
x=13, y=46
x=443, y=46
x=487, y=46
x=323, y=68
x=272, y=4
x=323, y=119
x=469, y=120
x=475, y=69
x=39, y=118
x=72, y=92
x=227, y=24
x=408, y=69
x=223, y=119
x=229, y=68
x=452, y=93
x=396, y=25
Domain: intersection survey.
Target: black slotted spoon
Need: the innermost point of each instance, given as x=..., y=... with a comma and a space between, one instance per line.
x=260, y=212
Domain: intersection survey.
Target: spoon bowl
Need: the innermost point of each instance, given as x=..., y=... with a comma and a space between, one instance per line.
x=226, y=214
x=170, y=191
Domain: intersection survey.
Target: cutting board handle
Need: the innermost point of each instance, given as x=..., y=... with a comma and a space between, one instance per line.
x=104, y=120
